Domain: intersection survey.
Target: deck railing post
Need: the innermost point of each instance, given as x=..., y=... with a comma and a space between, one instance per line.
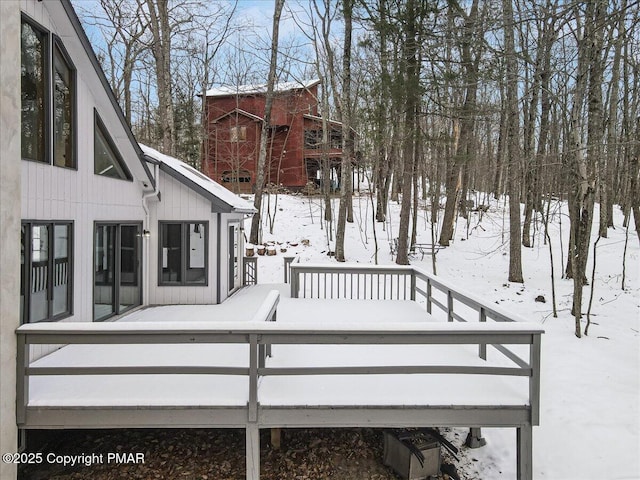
x=483, y=346
x=253, y=377
x=413, y=285
x=449, y=306
x=534, y=380
x=22, y=381
x=287, y=268
x=429, y=296
x=295, y=278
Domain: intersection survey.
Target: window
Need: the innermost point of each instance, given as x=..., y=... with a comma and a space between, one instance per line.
x=46, y=274
x=116, y=275
x=312, y=139
x=183, y=253
x=335, y=138
x=238, y=134
x=63, y=110
x=239, y=176
x=34, y=47
x=107, y=160
x=48, y=96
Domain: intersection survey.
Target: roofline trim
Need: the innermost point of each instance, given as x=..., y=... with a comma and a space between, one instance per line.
x=84, y=40
x=241, y=112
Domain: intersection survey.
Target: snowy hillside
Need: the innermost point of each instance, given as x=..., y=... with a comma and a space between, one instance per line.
x=590, y=415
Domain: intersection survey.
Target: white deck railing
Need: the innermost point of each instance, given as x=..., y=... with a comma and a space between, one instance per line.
x=397, y=282
x=261, y=335
x=330, y=282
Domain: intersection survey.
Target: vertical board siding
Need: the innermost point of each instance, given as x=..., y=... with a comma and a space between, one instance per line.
x=180, y=203
x=52, y=193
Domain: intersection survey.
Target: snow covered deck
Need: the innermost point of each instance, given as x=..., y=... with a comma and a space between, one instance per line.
x=382, y=362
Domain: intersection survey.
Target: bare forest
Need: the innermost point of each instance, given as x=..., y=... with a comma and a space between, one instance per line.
x=452, y=104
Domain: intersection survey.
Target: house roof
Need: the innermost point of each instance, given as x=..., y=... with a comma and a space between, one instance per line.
x=222, y=200
x=231, y=90
x=86, y=44
x=316, y=118
x=239, y=111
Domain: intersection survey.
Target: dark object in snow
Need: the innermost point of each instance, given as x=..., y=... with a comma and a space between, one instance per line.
x=331, y=254
x=541, y=299
x=448, y=469
x=412, y=454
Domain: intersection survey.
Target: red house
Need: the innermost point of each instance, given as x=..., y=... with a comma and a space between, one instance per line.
x=295, y=148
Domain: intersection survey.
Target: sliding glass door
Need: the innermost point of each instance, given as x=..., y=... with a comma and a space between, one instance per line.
x=46, y=275
x=117, y=282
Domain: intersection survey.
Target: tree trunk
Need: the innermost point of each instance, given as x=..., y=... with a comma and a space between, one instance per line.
x=266, y=126
x=513, y=154
x=347, y=143
x=161, y=48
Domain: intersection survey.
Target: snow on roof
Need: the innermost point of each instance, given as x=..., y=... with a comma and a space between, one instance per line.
x=227, y=90
x=317, y=118
x=192, y=177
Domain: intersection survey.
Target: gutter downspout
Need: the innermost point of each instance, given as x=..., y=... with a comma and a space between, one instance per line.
x=147, y=226
x=219, y=256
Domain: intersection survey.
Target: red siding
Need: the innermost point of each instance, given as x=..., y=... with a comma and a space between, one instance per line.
x=286, y=153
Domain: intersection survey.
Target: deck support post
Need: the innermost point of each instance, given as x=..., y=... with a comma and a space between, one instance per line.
x=276, y=438
x=253, y=451
x=524, y=451
x=474, y=438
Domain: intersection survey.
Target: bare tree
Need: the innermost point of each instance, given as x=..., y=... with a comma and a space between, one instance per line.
x=347, y=142
x=266, y=124
x=512, y=143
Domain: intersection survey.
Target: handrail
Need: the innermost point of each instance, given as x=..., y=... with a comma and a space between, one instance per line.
x=261, y=334
x=348, y=281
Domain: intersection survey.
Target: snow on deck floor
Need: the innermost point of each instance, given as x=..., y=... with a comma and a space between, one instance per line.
x=316, y=390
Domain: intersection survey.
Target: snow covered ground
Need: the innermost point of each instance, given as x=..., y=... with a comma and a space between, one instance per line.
x=590, y=416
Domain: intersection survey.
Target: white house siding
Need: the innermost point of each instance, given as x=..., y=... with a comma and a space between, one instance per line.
x=9, y=225
x=52, y=193
x=180, y=203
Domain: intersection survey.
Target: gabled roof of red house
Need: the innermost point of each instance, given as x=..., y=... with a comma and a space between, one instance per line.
x=239, y=111
x=234, y=90
x=316, y=118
